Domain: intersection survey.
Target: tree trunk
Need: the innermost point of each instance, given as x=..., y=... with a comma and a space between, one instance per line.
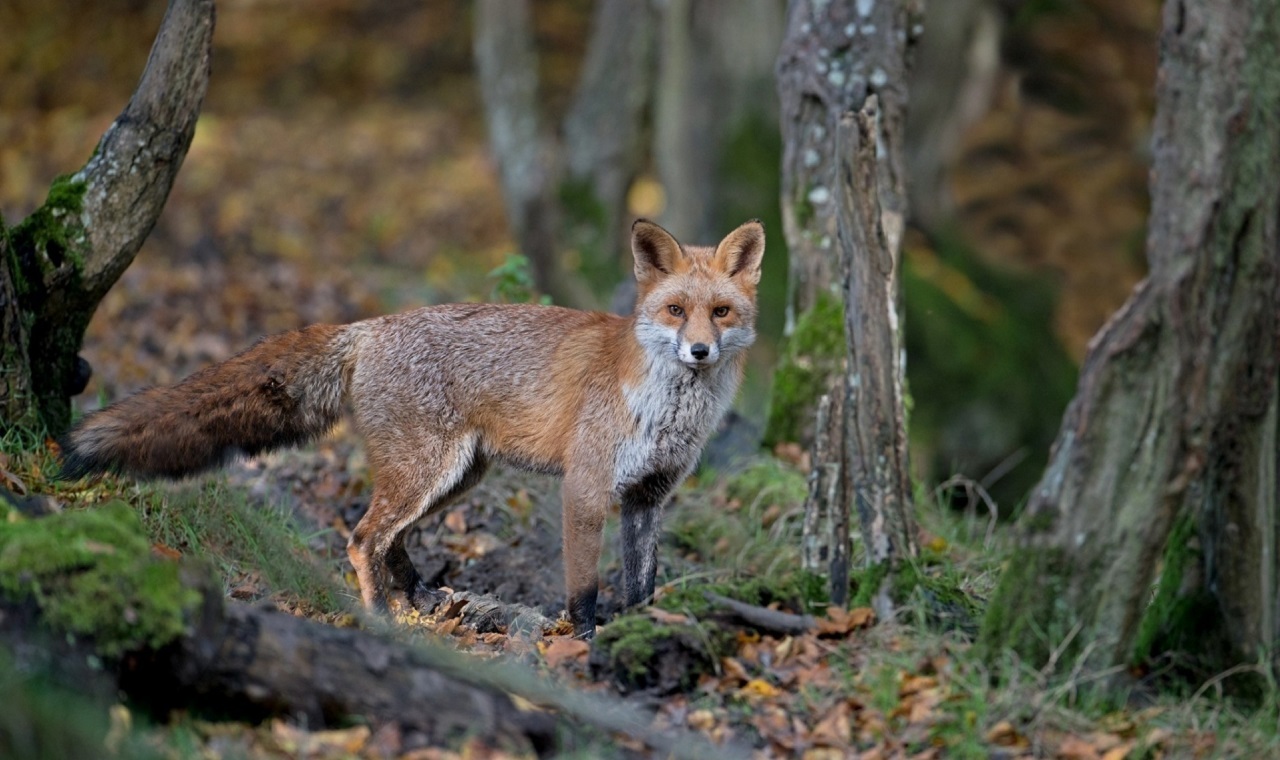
x=570, y=193
x=716, y=54
x=604, y=133
x=68, y=253
x=507, y=67
x=1166, y=461
x=834, y=55
x=875, y=476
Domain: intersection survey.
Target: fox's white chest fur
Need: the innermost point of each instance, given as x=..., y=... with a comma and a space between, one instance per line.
x=675, y=411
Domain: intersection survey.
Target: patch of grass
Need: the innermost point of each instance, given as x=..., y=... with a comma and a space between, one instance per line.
x=746, y=526
x=240, y=538
x=207, y=520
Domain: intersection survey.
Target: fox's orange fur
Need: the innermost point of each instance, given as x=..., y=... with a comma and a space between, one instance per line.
x=620, y=406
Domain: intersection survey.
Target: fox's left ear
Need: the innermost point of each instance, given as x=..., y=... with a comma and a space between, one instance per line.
x=741, y=251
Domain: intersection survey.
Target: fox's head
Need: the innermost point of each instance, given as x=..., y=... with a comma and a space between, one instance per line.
x=696, y=304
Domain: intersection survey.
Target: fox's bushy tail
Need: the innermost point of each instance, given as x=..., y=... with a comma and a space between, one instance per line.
x=285, y=390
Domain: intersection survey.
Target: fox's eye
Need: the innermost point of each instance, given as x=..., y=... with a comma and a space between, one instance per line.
x=721, y=311
x=676, y=311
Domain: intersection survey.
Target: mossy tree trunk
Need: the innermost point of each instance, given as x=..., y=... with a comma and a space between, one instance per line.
x=834, y=55
x=838, y=58
x=62, y=259
x=567, y=190
x=1166, y=461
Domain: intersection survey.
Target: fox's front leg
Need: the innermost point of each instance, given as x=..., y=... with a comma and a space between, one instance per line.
x=642, y=504
x=586, y=502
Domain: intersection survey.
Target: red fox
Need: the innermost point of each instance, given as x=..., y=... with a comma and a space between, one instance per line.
x=620, y=406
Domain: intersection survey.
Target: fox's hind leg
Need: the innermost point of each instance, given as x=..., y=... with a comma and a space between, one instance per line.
x=404, y=493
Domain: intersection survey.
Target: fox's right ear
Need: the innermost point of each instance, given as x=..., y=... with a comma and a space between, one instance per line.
x=656, y=252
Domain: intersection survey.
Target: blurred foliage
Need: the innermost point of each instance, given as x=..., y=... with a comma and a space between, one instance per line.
x=988, y=379
x=513, y=282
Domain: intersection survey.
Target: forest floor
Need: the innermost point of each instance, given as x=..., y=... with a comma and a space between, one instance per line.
x=851, y=686
x=319, y=195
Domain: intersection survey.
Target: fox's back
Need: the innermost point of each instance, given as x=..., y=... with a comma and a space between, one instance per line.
x=516, y=374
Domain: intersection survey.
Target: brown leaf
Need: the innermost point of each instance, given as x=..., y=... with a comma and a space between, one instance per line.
x=456, y=521
x=839, y=622
x=1003, y=734
x=558, y=651
x=834, y=730
x=913, y=684
x=733, y=669
x=1075, y=748
x=1120, y=751
x=165, y=552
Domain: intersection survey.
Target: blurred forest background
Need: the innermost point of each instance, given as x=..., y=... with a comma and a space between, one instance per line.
x=341, y=168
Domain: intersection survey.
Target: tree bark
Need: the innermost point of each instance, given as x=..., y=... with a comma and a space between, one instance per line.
x=605, y=130
x=716, y=54
x=1166, y=459
x=67, y=254
x=507, y=67
x=833, y=57
x=568, y=193
x=874, y=446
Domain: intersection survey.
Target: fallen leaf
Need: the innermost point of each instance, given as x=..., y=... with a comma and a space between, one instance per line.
x=1003, y=734
x=834, y=730
x=165, y=552
x=913, y=684
x=759, y=688
x=701, y=720
x=456, y=521
x=1120, y=751
x=733, y=669
x=561, y=650
x=1075, y=748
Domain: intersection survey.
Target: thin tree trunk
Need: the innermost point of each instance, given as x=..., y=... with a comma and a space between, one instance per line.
x=605, y=128
x=507, y=67
x=875, y=431
x=1167, y=455
x=68, y=253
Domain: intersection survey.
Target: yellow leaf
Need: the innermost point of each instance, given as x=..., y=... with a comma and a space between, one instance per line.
x=759, y=688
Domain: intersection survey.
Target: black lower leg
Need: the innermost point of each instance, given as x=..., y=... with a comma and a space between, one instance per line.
x=420, y=596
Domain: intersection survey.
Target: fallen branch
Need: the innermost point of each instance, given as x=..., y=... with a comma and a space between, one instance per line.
x=763, y=618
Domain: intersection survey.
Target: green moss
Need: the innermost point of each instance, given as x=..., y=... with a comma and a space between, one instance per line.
x=798, y=591
x=1028, y=612
x=640, y=651
x=1168, y=614
x=52, y=236
x=92, y=574
x=630, y=642
x=814, y=352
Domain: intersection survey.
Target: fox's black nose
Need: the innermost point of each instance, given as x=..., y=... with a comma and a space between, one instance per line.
x=700, y=351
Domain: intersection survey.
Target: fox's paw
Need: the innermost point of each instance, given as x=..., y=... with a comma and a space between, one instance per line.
x=425, y=599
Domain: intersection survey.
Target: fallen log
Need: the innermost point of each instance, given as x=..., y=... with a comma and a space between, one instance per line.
x=161, y=632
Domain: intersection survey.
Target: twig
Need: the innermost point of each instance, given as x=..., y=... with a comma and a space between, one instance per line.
x=770, y=621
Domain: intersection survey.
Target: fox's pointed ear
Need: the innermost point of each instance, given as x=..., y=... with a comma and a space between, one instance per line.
x=656, y=252
x=742, y=250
